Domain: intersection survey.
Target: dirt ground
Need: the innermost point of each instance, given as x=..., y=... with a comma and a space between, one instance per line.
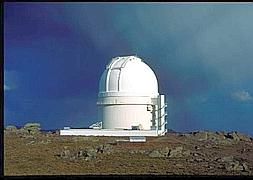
x=50, y=154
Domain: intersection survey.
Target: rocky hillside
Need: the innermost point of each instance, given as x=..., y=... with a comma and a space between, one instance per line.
x=28, y=151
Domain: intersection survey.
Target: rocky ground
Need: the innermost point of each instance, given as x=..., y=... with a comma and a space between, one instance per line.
x=28, y=151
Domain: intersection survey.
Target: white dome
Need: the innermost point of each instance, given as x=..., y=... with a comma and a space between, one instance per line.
x=128, y=76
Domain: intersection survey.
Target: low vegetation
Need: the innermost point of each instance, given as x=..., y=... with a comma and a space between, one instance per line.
x=28, y=151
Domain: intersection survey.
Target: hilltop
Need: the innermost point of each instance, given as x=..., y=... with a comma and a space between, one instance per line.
x=30, y=151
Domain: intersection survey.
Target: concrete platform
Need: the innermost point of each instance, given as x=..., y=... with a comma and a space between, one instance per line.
x=107, y=132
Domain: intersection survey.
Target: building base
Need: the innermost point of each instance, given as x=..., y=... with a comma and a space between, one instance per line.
x=108, y=132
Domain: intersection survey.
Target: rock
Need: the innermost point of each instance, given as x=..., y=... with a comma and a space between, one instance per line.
x=133, y=152
x=32, y=128
x=221, y=133
x=191, y=160
x=155, y=153
x=32, y=125
x=106, y=148
x=179, y=165
x=198, y=160
x=11, y=128
x=234, y=166
x=186, y=135
x=91, y=152
x=215, y=136
x=200, y=136
x=88, y=158
x=225, y=142
x=65, y=153
x=233, y=135
x=176, y=152
x=243, y=137
x=81, y=153
x=208, y=146
x=196, y=154
x=165, y=151
x=45, y=141
x=86, y=154
x=227, y=159
x=56, y=132
x=245, y=166
x=197, y=147
x=31, y=142
x=245, y=173
x=210, y=136
x=186, y=153
x=23, y=131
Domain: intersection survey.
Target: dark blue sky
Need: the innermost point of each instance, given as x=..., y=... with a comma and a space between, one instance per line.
x=202, y=54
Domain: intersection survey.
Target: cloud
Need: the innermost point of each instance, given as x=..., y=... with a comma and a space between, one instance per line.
x=11, y=80
x=242, y=96
x=6, y=88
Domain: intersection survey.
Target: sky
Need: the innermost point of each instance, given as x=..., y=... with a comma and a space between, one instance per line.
x=201, y=53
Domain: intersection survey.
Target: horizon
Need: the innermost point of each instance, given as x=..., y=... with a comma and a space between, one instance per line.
x=55, y=54
x=168, y=130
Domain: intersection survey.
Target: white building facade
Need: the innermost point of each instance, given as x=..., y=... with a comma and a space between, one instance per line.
x=128, y=101
x=128, y=96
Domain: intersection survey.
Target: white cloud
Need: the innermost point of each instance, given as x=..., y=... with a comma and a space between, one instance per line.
x=11, y=80
x=6, y=88
x=242, y=96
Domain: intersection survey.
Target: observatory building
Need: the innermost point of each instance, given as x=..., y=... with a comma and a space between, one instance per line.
x=129, y=103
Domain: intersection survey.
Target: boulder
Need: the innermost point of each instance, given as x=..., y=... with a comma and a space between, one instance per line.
x=221, y=133
x=165, y=151
x=105, y=148
x=45, y=141
x=186, y=153
x=11, y=128
x=200, y=135
x=32, y=128
x=32, y=125
x=176, y=152
x=234, y=166
x=198, y=160
x=65, y=153
x=88, y=158
x=30, y=143
x=226, y=159
x=233, y=136
x=87, y=153
x=215, y=136
x=243, y=137
x=208, y=135
x=56, y=132
x=245, y=166
x=169, y=152
x=155, y=153
x=91, y=152
x=225, y=142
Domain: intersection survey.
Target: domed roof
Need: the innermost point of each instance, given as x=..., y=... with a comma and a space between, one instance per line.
x=128, y=76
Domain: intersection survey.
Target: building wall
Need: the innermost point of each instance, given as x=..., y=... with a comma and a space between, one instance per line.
x=125, y=116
